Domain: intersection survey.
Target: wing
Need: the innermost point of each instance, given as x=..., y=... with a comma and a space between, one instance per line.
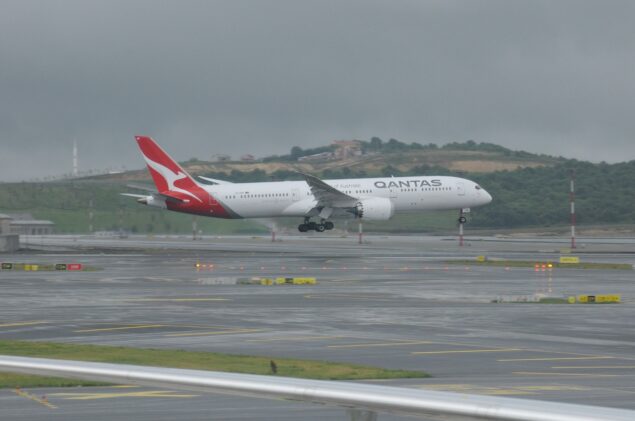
x=328, y=196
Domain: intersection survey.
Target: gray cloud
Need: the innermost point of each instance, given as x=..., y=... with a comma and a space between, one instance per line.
x=205, y=77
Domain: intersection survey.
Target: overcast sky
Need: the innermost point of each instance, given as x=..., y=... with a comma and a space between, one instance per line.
x=207, y=77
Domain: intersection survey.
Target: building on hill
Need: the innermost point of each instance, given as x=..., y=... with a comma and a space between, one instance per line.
x=247, y=158
x=219, y=157
x=347, y=148
x=317, y=157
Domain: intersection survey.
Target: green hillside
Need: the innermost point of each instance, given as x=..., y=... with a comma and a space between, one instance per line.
x=532, y=194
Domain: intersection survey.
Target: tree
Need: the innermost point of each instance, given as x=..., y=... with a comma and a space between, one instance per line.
x=296, y=152
x=375, y=144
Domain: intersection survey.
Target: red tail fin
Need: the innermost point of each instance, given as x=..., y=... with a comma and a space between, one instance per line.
x=180, y=191
x=166, y=173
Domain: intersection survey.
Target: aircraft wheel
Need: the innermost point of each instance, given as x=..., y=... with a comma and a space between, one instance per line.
x=303, y=228
x=311, y=226
x=320, y=228
x=462, y=220
x=329, y=225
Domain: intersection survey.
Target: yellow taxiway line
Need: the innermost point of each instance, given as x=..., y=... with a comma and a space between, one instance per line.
x=509, y=390
x=37, y=399
x=465, y=351
x=112, y=395
x=294, y=338
x=178, y=300
x=380, y=344
x=590, y=357
x=106, y=329
x=14, y=324
x=217, y=332
x=603, y=367
x=539, y=373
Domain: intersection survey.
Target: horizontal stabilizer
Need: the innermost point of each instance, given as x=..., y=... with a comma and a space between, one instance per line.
x=141, y=187
x=214, y=180
x=159, y=196
x=136, y=196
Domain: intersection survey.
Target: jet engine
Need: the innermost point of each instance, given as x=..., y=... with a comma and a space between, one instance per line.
x=375, y=209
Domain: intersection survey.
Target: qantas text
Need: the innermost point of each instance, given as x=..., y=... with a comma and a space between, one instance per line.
x=410, y=183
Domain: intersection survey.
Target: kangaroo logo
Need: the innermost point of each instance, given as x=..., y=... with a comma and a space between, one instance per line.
x=170, y=177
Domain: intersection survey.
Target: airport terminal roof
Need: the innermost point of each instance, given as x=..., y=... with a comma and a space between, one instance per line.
x=31, y=222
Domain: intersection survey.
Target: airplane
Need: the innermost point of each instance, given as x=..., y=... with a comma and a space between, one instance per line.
x=365, y=199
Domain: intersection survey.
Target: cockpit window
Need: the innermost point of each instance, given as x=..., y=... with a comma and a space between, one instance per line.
x=477, y=187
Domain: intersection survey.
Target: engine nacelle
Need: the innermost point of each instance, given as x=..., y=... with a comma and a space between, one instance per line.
x=375, y=209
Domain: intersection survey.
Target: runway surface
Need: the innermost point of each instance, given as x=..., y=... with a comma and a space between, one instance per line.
x=391, y=302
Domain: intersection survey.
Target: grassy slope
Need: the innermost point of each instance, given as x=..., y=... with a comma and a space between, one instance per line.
x=309, y=369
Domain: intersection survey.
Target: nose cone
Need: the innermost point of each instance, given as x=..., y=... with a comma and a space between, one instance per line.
x=487, y=197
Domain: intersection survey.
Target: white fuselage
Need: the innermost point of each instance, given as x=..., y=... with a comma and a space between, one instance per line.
x=294, y=198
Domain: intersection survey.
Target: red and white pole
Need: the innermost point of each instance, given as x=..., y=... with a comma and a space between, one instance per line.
x=572, y=203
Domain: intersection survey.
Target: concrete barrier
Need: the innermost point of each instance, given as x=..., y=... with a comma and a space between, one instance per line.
x=278, y=281
x=592, y=299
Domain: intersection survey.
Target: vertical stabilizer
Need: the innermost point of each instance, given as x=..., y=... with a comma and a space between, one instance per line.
x=166, y=173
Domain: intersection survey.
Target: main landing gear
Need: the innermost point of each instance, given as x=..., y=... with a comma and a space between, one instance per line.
x=462, y=221
x=308, y=225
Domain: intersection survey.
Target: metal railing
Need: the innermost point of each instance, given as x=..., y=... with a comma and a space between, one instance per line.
x=344, y=394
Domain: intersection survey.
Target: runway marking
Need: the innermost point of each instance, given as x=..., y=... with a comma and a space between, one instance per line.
x=113, y=395
x=106, y=329
x=553, y=388
x=590, y=357
x=380, y=344
x=41, y=400
x=349, y=296
x=592, y=367
x=294, y=338
x=177, y=300
x=509, y=390
x=539, y=373
x=31, y=323
x=465, y=351
x=189, y=326
x=479, y=390
x=217, y=332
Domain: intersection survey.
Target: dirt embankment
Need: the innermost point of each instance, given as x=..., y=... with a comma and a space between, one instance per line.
x=467, y=161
